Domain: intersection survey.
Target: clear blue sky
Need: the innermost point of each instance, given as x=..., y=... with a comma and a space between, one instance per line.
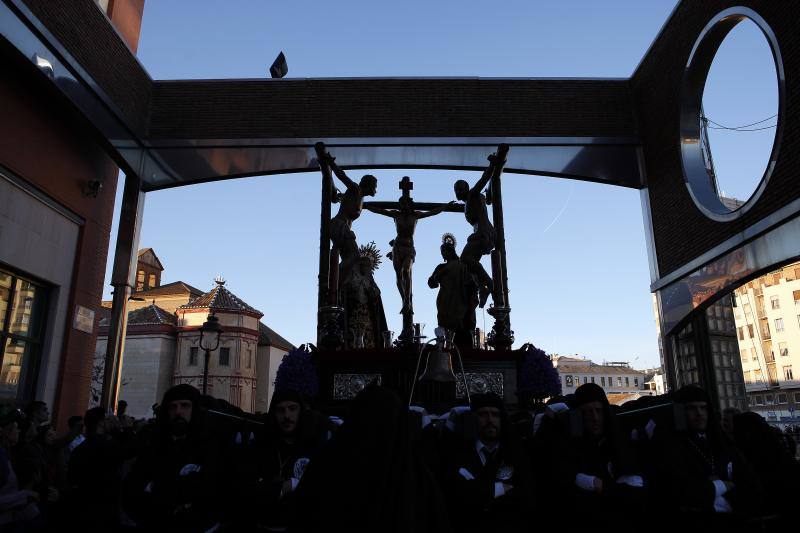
x=577, y=259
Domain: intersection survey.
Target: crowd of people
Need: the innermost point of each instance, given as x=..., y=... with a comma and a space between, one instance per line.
x=573, y=462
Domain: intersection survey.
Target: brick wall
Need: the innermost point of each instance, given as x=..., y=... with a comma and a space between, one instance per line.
x=682, y=232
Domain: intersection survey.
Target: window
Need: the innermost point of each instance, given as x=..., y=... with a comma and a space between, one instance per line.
x=193, y=356
x=151, y=280
x=603, y=381
x=796, y=294
x=140, y=280
x=797, y=397
x=750, y=330
x=22, y=305
x=782, y=398
x=778, y=324
x=627, y=381
x=769, y=399
x=224, y=357
x=787, y=373
x=568, y=381
x=757, y=377
x=585, y=380
x=741, y=333
x=783, y=349
x=249, y=358
x=747, y=310
x=619, y=381
x=636, y=382
x=758, y=399
x=775, y=302
x=592, y=379
x=748, y=377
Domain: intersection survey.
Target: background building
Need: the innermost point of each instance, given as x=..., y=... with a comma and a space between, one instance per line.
x=767, y=319
x=621, y=382
x=162, y=346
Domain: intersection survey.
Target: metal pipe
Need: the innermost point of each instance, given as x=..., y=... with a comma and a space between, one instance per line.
x=205, y=371
x=463, y=375
x=122, y=279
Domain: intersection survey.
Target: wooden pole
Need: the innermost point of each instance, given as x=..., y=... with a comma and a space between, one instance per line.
x=324, y=226
x=497, y=216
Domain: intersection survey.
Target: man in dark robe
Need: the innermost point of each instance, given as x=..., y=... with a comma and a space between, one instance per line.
x=592, y=466
x=489, y=475
x=272, y=466
x=698, y=472
x=369, y=477
x=94, y=475
x=176, y=482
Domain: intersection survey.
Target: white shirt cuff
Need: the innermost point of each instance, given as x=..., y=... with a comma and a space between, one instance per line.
x=719, y=488
x=499, y=489
x=631, y=481
x=721, y=505
x=585, y=482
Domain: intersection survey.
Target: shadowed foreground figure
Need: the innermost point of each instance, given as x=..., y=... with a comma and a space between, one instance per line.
x=595, y=470
x=489, y=482
x=175, y=484
x=369, y=478
x=700, y=476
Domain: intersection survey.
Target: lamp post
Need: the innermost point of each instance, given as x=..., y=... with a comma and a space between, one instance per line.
x=209, y=341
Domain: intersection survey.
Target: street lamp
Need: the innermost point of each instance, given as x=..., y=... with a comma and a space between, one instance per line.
x=209, y=341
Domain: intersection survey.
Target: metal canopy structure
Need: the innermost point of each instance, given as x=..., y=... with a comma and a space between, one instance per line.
x=624, y=132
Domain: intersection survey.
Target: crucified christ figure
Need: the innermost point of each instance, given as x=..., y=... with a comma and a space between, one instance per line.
x=403, y=252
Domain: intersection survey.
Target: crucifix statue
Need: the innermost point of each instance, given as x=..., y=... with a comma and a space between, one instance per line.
x=405, y=214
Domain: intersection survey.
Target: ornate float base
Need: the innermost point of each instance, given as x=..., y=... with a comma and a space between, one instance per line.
x=344, y=373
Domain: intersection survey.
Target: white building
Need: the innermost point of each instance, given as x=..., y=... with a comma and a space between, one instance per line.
x=162, y=346
x=767, y=316
x=620, y=382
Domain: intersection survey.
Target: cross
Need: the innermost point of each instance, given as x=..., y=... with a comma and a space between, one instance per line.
x=406, y=185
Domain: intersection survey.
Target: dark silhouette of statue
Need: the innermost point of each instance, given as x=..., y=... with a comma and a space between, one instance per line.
x=403, y=252
x=482, y=240
x=458, y=293
x=362, y=302
x=351, y=205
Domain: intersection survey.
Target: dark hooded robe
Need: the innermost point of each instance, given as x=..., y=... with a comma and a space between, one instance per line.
x=270, y=460
x=368, y=477
x=474, y=480
x=175, y=484
x=577, y=459
x=690, y=469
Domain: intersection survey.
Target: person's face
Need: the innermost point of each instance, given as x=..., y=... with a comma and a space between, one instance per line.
x=462, y=190
x=77, y=429
x=42, y=414
x=697, y=416
x=50, y=436
x=180, y=409
x=593, y=418
x=121, y=407
x=287, y=415
x=489, y=423
x=11, y=433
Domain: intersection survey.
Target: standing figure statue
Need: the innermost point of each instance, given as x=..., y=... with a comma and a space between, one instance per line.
x=482, y=240
x=351, y=205
x=362, y=301
x=403, y=252
x=458, y=293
